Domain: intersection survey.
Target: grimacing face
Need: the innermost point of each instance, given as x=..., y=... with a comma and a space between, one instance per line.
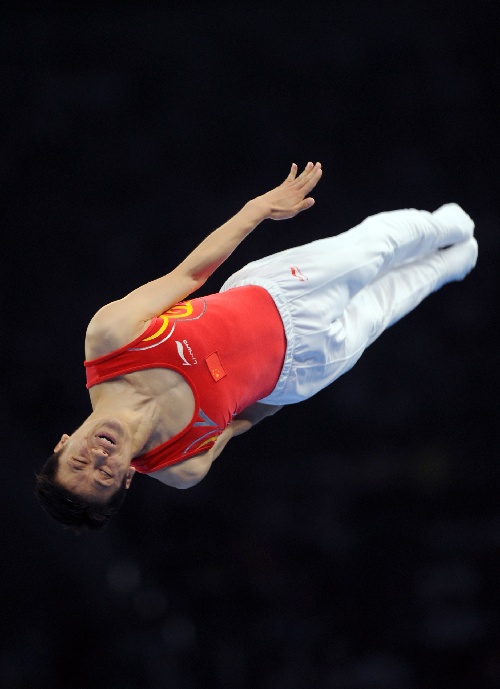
x=95, y=459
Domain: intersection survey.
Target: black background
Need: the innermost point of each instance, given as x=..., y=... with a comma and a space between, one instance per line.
x=352, y=541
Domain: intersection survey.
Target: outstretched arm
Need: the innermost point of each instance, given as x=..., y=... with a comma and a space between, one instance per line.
x=124, y=319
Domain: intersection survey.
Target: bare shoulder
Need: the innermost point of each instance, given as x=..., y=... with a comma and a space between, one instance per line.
x=187, y=473
x=119, y=322
x=110, y=329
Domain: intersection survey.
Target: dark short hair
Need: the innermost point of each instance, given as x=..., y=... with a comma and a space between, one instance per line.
x=67, y=507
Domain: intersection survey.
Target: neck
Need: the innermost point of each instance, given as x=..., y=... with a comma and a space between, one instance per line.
x=138, y=424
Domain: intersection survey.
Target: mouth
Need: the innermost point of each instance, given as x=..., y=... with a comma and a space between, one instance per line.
x=106, y=438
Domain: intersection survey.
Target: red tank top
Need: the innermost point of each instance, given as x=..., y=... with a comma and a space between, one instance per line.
x=229, y=347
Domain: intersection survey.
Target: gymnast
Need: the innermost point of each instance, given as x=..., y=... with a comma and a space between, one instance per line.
x=172, y=378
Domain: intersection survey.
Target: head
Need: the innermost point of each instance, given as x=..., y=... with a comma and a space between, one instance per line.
x=85, y=481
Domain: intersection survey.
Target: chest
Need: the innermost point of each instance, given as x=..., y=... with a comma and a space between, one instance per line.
x=160, y=398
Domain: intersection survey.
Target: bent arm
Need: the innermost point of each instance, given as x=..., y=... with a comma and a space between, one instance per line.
x=251, y=416
x=190, y=472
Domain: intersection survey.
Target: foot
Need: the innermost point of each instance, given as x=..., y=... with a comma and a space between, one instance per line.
x=457, y=260
x=457, y=226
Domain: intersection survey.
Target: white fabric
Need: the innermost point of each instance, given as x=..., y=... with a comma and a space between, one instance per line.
x=337, y=295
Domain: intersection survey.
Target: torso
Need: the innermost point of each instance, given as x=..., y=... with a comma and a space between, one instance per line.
x=159, y=401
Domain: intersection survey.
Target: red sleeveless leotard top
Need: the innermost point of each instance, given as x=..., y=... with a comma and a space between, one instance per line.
x=229, y=347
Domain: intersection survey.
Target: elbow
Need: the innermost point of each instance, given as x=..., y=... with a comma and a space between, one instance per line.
x=188, y=483
x=191, y=472
x=197, y=282
x=190, y=278
x=185, y=480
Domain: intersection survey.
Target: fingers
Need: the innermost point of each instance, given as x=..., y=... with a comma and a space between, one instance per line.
x=309, y=177
x=292, y=174
x=306, y=203
x=291, y=197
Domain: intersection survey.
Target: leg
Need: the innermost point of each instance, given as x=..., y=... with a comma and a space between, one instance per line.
x=320, y=357
x=398, y=292
x=339, y=267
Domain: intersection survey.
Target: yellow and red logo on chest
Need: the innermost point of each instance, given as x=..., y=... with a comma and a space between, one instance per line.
x=184, y=310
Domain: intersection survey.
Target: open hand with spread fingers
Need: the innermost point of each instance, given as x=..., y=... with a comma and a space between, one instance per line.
x=290, y=197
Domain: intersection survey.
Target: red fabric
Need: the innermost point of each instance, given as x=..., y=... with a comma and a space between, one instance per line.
x=229, y=347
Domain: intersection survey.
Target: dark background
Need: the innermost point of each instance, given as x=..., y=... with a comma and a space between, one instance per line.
x=351, y=542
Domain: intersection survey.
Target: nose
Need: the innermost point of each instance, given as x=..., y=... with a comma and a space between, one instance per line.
x=99, y=454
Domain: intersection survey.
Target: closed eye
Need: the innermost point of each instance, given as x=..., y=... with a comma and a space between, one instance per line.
x=78, y=464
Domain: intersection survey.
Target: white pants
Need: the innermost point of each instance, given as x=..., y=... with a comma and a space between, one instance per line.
x=337, y=295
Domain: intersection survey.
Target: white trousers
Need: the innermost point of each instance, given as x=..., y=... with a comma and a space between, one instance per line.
x=337, y=295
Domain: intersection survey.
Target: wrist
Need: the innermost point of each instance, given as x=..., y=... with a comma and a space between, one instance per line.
x=257, y=209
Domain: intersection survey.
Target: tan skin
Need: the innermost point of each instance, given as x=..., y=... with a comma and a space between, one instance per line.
x=136, y=412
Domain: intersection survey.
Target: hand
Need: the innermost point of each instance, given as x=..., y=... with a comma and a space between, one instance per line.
x=290, y=197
